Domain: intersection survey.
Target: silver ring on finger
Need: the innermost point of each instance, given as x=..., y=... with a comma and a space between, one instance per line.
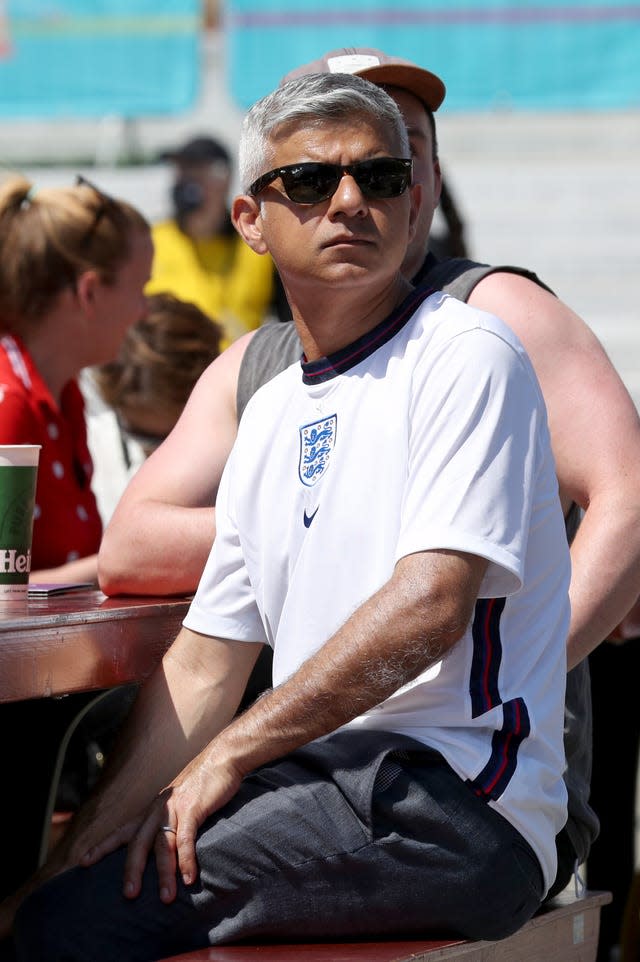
x=168, y=828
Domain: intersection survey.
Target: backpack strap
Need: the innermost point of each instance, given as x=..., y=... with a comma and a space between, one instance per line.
x=458, y=276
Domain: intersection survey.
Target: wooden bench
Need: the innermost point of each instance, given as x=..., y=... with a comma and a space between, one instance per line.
x=564, y=930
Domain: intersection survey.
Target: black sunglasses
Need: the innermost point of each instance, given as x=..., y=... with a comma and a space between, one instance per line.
x=310, y=183
x=105, y=202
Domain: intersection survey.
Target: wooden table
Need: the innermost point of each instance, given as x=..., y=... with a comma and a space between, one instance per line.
x=82, y=641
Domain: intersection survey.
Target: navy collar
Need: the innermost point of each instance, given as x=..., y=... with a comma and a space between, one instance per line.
x=325, y=368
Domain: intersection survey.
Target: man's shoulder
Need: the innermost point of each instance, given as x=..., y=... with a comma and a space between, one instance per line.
x=445, y=320
x=458, y=276
x=443, y=315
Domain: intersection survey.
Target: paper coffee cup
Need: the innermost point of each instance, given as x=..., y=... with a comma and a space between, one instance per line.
x=18, y=476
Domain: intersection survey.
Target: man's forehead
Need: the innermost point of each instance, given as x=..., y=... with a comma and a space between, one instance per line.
x=363, y=133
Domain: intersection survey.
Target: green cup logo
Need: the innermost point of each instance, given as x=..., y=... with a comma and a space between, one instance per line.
x=17, y=501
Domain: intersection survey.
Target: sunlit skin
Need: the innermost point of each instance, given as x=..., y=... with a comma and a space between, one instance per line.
x=347, y=242
x=121, y=303
x=91, y=318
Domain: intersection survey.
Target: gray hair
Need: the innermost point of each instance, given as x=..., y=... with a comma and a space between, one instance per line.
x=313, y=98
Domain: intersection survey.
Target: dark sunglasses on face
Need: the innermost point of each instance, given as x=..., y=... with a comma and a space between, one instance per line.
x=310, y=183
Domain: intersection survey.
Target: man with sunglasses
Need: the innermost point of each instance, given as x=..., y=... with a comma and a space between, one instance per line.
x=159, y=536
x=168, y=505
x=388, y=522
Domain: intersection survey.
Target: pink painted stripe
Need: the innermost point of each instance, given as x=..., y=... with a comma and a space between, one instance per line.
x=383, y=17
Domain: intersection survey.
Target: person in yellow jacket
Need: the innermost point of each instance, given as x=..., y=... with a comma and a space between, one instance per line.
x=198, y=255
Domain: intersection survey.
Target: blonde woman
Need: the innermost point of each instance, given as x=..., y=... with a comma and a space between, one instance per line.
x=73, y=266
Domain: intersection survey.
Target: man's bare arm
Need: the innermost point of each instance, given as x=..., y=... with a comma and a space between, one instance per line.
x=595, y=436
x=82, y=569
x=159, y=537
x=408, y=625
x=405, y=627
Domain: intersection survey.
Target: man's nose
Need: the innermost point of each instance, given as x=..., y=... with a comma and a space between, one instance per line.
x=348, y=196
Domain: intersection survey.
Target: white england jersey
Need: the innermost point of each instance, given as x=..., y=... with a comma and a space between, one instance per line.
x=428, y=433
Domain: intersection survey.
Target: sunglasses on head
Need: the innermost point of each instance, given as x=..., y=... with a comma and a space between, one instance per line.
x=310, y=183
x=105, y=202
x=144, y=439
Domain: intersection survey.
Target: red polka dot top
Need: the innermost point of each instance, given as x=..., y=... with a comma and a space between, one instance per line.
x=66, y=523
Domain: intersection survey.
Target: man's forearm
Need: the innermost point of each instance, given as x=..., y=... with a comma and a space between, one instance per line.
x=403, y=629
x=82, y=569
x=155, y=549
x=605, y=581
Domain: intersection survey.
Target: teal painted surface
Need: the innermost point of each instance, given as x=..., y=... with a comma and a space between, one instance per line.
x=91, y=58
x=534, y=55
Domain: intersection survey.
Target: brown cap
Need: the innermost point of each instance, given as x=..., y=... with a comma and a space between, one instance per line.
x=379, y=68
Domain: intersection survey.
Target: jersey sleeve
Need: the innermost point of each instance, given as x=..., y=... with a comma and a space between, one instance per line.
x=224, y=604
x=473, y=451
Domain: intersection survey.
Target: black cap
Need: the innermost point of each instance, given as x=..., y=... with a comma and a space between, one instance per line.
x=199, y=150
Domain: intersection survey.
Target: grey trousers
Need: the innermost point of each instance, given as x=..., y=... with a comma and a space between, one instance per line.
x=359, y=834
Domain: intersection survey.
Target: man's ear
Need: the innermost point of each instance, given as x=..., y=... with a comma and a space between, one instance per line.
x=87, y=285
x=247, y=220
x=415, y=194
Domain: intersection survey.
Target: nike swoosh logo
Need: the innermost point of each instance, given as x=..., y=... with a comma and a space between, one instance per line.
x=308, y=518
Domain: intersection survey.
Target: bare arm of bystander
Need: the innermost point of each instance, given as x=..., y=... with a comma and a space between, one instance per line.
x=595, y=436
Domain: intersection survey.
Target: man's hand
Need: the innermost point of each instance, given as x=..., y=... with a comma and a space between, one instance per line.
x=170, y=824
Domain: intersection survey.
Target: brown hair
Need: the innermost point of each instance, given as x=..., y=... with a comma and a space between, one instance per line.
x=50, y=236
x=161, y=358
